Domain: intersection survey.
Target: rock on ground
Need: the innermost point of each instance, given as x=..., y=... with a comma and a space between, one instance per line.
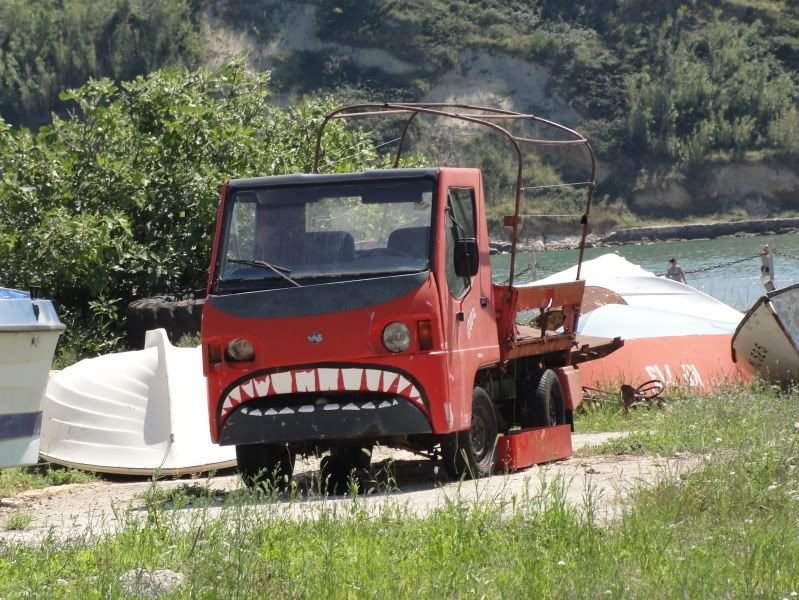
x=150, y=584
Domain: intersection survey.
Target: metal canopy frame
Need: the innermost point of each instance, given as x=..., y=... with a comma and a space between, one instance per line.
x=479, y=115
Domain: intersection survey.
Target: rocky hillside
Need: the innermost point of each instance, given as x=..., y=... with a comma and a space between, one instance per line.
x=689, y=105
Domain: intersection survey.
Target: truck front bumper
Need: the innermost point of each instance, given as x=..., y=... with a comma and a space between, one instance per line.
x=277, y=420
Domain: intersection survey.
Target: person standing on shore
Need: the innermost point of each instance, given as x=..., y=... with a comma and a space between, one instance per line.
x=767, y=269
x=674, y=271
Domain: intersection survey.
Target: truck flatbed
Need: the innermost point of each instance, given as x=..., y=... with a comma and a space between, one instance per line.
x=530, y=342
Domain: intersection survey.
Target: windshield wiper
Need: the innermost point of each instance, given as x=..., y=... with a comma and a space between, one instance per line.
x=282, y=271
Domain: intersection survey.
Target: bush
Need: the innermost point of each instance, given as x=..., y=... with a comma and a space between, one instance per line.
x=118, y=200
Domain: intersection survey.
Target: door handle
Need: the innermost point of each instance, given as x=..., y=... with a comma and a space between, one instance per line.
x=483, y=301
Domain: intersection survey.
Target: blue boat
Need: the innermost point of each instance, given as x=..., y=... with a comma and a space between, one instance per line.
x=29, y=331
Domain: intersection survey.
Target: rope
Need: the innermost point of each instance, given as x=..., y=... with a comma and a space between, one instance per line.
x=785, y=254
x=719, y=266
x=528, y=269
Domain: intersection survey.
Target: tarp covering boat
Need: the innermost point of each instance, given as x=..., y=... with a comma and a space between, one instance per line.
x=640, y=288
x=29, y=330
x=633, y=322
x=672, y=332
x=766, y=342
x=137, y=413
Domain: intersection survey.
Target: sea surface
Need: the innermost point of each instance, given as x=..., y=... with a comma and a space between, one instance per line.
x=738, y=285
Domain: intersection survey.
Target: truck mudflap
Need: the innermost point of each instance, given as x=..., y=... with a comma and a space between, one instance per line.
x=269, y=421
x=572, y=386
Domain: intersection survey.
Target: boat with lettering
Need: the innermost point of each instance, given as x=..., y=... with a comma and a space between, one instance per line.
x=672, y=332
x=766, y=342
x=29, y=331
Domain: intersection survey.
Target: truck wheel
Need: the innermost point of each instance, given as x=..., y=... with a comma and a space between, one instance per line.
x=265, y=466
x=548, y=408
x=470, y=454
x=343, y=465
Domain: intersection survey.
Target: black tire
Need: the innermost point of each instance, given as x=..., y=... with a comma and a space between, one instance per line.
x=177, y=317
x=265, y=466
x=470, y=454
x=548, y=408
x=343, y=466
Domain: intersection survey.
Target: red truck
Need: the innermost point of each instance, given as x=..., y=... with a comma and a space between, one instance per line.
x=346, y=310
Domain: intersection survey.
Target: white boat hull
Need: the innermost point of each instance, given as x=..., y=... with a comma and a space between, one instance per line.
x=766, y=342
x=136, y=413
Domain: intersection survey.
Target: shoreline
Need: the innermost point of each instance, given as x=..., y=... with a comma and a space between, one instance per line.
x=633, y=236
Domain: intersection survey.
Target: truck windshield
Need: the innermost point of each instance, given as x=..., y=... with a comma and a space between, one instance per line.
x=281, y=235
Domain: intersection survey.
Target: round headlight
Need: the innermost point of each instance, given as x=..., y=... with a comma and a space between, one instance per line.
x=396, y=337
x=239, y=349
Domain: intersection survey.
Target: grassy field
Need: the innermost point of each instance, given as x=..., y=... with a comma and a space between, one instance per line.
x=728, y=529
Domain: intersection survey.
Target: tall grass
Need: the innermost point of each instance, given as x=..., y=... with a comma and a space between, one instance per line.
x=729, y=529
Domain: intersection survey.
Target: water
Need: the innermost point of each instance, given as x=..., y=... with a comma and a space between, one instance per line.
x=737, y=285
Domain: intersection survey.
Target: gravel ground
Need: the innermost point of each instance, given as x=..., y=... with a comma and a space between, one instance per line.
x=96, y=508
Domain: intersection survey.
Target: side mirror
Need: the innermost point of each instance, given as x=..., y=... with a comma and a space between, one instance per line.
x=466, y=257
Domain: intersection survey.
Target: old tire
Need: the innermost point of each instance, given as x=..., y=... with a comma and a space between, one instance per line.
x=265, y=467
x=177, y=317
x=548, y=407
x=470, y=454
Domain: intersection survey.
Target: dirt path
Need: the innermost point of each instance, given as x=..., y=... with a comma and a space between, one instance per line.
x=90, y=509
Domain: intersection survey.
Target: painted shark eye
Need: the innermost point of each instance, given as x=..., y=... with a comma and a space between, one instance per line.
x=239, y=350
x=396, y=337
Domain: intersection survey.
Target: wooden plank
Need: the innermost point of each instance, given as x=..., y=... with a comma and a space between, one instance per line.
x=553, y=294
x=529, y=342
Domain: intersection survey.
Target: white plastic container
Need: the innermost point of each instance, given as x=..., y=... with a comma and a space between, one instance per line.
x=29, y=330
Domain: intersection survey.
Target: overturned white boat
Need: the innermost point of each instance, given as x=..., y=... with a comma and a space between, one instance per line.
x=29, y=330
x=672, y=332
x=766, y=343
x=136, y=413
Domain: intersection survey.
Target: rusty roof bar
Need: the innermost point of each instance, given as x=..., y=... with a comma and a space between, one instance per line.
x=479, y=115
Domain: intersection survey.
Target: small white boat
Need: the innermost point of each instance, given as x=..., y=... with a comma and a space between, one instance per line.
x=133, y=413
x=29, y=330
x=766, y=343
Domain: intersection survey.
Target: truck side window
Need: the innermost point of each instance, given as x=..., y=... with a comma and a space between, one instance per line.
x=460, y=224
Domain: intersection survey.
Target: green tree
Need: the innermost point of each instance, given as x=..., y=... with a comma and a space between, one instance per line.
x=48, y=46
x=119, y=199
x=711, y=88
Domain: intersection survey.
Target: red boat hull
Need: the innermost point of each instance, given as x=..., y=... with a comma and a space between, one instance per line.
x=699, y=361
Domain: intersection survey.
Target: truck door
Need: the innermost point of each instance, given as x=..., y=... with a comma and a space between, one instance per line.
x=468, y=317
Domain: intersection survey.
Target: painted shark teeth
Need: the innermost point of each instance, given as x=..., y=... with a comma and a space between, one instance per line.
x=322, y=379
x=309, y=408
